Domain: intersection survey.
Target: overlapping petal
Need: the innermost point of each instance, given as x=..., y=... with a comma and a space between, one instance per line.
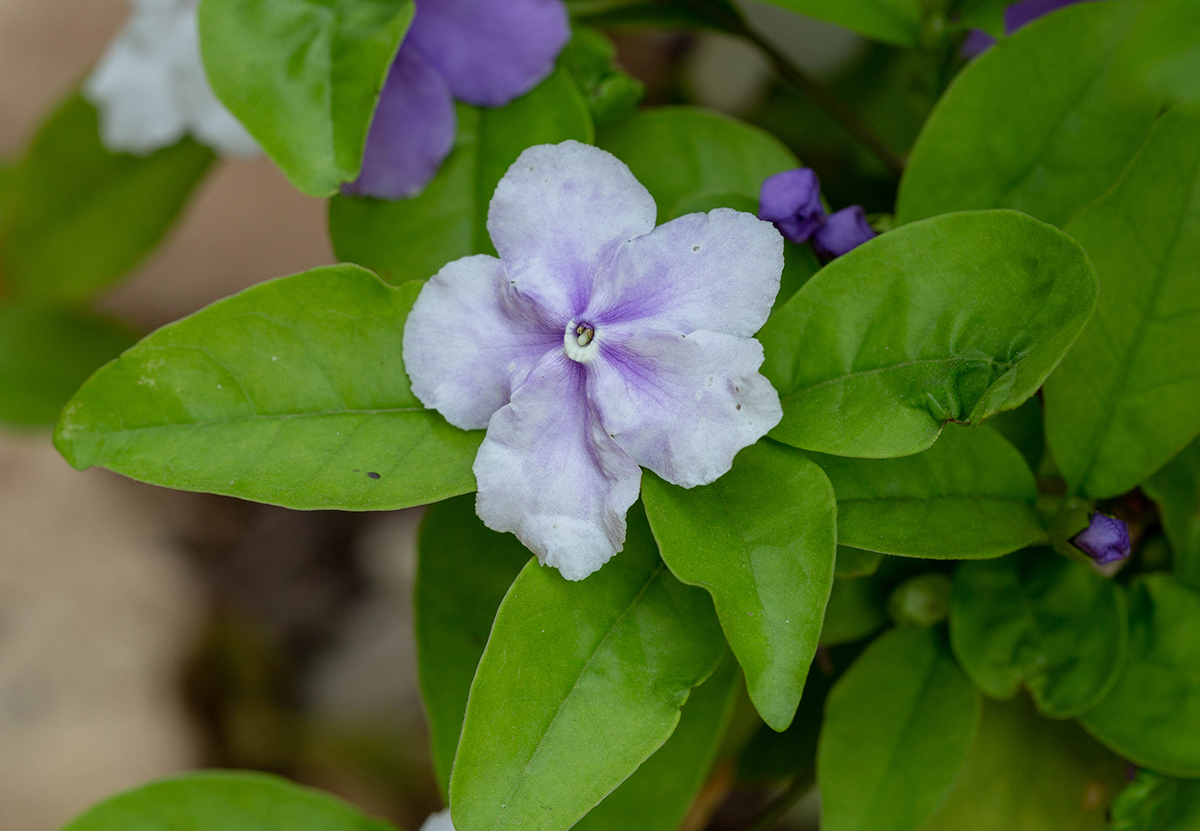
x=682, y=405
x=549, y=473
x=469, y=341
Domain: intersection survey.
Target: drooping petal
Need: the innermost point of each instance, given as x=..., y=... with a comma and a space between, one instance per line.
x=411, y=134
x=842, y=232
x=469, y=341
x=559, y=213
x=682, y=405
x=549, y=473
x=490, y=51
x=718, y=271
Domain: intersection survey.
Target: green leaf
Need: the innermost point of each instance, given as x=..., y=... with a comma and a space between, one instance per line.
x=1127, y=397
x=658, y=795
x=304, y=77
x=411, y=239
x=854, y=562
x=1176, y=489
x=1152, y=715
x=982, y=14
x=951, y=319
x=683, y=153
x=1163, y=49
x=1025, y=773
x=762, y=541
x=1038, y=619
x=771, y=756
x=45, y=354
x=856, y=609
x=897, y=729
x=292, y=393
x=612, y=95
x=969, y=496
x=1157, y=803
x=80, y=217
x=1031, y=125
x=227, y=801
x=580, y=683
x=891, y=21
x=1024, y=427
x=464, y=570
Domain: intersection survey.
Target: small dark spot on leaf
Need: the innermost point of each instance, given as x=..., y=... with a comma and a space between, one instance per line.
x=356, y=470
x=373, y=475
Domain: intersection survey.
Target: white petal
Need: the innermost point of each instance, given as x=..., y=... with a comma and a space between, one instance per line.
x=549, y=473
x=559, y=213
x=439, y=822
x=682, y=405
x=469, y=340
x=717, y=271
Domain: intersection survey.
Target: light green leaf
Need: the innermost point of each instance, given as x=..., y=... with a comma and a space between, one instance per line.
x=1040, y=620
x=411, y=239
x=856, y=609
x=1176, y=489
x=970, y=496
x=951, y=319
x=1025, y=773
x=897, y=729
x=1127, y=397
x=855, y=562
x=1157, y=803
x=1032, y=125
x=580, y=683
x=227, y=801
x=1152, y=715
x=292, y=392
x=762, y=541
x=304, y=77
x=80, y=217
x=45, y=354
x=683, y=153
x=891, y=21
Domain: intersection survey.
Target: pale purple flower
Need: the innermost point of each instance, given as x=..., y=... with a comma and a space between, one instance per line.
x=1105, y=540
x=1015, y=16
x=594, y=344
x=482, y=52
x=792, y=200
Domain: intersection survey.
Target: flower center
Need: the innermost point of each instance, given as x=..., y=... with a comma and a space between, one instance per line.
x=579, y=341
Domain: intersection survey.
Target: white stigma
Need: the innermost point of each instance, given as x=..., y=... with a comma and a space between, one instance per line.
x=579, y=342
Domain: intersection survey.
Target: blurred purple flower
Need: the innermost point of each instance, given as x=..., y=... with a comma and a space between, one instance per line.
x=1015, y=16
x=596, y=344
x=792, y=200
x=482, y=52
x=842, y=232
x=1105, y=540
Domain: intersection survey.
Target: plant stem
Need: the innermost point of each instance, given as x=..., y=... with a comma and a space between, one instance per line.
x=778, y=807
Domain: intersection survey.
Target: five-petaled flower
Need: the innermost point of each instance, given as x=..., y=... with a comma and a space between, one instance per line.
x=1105, y=540
x=484, y=52
x=595, y=344
x=792, y=200
x=151, y=90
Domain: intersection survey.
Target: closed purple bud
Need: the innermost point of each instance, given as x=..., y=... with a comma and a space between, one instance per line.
x=1105, y=540
x=792, y=200
x=1027, y=11
x=842, y=232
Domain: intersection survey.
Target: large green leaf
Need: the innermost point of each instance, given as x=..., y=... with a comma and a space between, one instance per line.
x=897, y=729
x=45, y=354
x=951, y=319
x=1163, y=50
x=1025, y=773
x=411, y=239
x=969, y=496
x=1032, y=125
x=683, y=153
x=304, y=77
x=80, y=217
x=1152, y=715
x=1038, y=619
x=292, y=392
x=762, y=541
x=580, y=683
x=226, y=801
x=1176, y=489
x=1127, y=397
x=1157, y=803
x=890, y=21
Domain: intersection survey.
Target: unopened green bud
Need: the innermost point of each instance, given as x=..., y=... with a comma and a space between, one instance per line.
x=921, y=601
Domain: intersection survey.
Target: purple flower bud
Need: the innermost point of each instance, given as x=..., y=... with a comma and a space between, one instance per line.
x=1027, y=11
x=1105, y=540
x=842, y=232
x=792, y=200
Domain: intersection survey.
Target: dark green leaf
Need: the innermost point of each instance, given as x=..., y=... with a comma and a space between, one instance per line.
x=855, y=562
x=856, y=609
x=80, y=217
x=611, y=94
x=1152, y=715
x=1032, y=125
x=580, y=683
x=1039, y=619
x=304, y=77
x=890, y=21
x=982, y=14
x=952, y=319
x=897, y=729
x=1176, y=489
x=1025, y=430
x=1127, y=397
x=770, y=755
x=1157, y=803
x=292, y=392
x=762, y=541
x=411, y=239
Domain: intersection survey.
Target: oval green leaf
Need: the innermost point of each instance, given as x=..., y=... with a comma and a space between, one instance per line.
x=890, y=21
x=762, y=541
x=952, y=319
x=1176, y=489
x=292, y=392
x=1157, y=803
